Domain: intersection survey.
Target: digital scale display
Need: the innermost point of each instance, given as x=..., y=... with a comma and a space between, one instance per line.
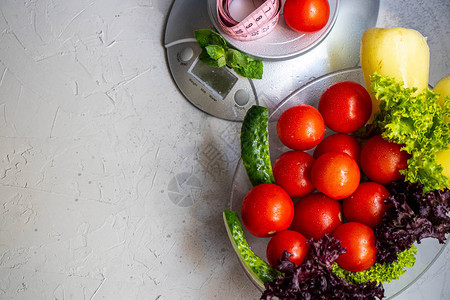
x=218, y=80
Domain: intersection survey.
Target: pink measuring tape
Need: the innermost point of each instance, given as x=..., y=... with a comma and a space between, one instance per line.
x=256, y=25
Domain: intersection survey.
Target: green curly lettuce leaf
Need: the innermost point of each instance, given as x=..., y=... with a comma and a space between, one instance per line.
x=416, y=121
x=380, y=273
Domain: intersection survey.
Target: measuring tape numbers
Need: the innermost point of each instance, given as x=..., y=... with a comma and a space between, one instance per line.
x=256, y=25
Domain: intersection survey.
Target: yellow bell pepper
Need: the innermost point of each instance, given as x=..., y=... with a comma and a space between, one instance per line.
x=442, y=88
x=400, y=53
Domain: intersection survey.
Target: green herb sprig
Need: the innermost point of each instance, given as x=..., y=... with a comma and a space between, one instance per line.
x=216, y=53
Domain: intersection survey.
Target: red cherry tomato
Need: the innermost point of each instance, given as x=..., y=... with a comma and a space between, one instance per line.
x=301, y=127
x=335, y=174
x=382, y=160
x=316, y=215
x=290, y=241
x=292, y=171
x=366, y=205
x=345, y=106
x=359, y=240
x=339, y=142
x=306, y=16
x=267, y=209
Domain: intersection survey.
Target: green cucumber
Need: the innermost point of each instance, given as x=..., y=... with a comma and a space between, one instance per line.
x=259, y=270
x=255, y=145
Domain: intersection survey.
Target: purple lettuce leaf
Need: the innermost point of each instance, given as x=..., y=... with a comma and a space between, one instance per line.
x=415, y=215
x=314, y=278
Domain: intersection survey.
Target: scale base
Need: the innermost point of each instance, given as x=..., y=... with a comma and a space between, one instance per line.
x=339, y=50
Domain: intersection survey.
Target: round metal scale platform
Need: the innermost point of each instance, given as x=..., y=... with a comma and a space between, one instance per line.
x=290, y=59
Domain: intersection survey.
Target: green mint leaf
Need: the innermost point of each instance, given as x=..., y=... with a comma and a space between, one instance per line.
x=207, y=37
x=217, y=39
x=215, y=51
x=202, y=37
x=221, y=61
x=205, y=58
x=236, y=58
x=253, y=69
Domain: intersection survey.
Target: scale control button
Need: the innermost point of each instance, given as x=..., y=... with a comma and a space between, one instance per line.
x=241, y=97
x=186, y=54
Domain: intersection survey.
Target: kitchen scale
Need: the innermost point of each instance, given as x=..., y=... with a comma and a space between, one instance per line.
x=290, y=59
